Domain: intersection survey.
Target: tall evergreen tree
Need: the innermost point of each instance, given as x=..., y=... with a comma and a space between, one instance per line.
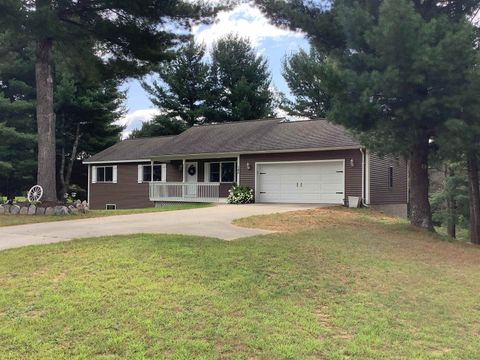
x=86, y=113
x=126, y=35
x=398, y=66
x=239, y=82
x=306, y=75
x=17, y=117
x=182, y=89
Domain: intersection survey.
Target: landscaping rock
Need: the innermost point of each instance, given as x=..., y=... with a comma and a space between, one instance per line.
x=32, y=210
x=49, y=211
x=78, y=204
x=2, y=210
x=6, y=209
x=40, y=210
x=84, y=203
x=72, y=210
x=14, y=209
x=23, y=210
x=61, y=210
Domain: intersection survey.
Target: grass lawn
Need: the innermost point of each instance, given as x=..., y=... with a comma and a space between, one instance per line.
x=336, y=284
x=8, y=220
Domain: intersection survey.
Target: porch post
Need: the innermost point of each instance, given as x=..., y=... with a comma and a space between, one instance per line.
x=183, y=170
x=151, y=170
x=238, y=170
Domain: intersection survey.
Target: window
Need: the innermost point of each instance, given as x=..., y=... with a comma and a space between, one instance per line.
x=105, y=173
x=390, y=177
x=145, y=173
x=221, y=172
x=228, y=172
x=110, y=206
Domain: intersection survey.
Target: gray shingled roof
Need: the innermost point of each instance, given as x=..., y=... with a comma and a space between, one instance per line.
x=259, y=135
x=134, y=149
x=235, y=137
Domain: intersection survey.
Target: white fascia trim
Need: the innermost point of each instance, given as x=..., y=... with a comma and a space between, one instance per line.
x=86, y=162
x=235, y=154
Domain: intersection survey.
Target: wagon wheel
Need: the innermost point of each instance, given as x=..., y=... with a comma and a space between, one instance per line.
x=35, y=193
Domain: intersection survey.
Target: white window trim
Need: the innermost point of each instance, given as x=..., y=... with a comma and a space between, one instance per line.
x=207, y=172
x=95, y=172
x=140, y=173
x=114, y=206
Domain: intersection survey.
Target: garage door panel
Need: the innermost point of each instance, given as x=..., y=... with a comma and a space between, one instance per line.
x=315, y=182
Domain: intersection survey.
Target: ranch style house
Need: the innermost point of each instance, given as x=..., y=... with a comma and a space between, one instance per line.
x=312, y=161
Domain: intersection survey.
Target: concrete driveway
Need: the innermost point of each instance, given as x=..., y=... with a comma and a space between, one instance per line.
x=211, y=221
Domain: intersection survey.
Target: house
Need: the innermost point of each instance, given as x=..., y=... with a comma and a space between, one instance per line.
x=310, y=161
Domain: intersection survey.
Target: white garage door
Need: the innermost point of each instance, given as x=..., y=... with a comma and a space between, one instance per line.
x=302, y=182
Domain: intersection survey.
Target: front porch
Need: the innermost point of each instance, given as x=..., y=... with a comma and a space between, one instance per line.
x=185, y=192
x=193, y=179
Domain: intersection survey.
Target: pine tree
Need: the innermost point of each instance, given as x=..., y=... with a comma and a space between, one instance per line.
x=127, y=36
x=160, y=125
x=86, y=113
x=306, y=74
x=398, y=65
x=239, y=82
x=182, y=89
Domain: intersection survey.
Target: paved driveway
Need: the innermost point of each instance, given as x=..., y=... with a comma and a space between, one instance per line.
x=211, y=221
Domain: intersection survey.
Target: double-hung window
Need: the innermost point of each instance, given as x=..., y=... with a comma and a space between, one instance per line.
x=147, y=173
x=217, y=172
x=104, y=174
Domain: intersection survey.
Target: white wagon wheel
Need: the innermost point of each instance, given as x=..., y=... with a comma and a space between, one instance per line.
x=35, y=193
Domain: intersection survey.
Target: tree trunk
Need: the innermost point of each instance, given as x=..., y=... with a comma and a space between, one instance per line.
x=73, y=156
x=45, y=120
x=451, y=206
x=420, y=212
x=474, y=194
x=61, y=170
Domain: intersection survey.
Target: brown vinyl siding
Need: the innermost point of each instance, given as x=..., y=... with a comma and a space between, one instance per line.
x=127, y=193
x=353, y=175
x=380, y=191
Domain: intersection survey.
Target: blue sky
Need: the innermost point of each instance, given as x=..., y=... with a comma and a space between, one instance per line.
x=245, y=20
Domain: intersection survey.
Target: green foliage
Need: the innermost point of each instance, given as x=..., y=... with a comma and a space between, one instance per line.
x=183, y=89
x=240, y=195
x=452, y=186
x=233, y=85
x=239, y=82
x=160, y=125
x=305, y=74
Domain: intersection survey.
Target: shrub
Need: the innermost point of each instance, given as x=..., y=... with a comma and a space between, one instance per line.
x=240, y=195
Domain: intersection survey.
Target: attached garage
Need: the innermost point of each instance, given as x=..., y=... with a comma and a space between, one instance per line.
x=319, y=182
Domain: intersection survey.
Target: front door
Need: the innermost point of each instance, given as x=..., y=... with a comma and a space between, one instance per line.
x=191, y=176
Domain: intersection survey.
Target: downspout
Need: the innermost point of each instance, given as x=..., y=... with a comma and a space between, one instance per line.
x=363, y=178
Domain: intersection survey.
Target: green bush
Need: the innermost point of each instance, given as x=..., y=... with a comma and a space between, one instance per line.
x=240, y=195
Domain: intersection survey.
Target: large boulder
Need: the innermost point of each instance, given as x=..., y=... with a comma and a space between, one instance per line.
x=6, y=209
x=32, y=210
x=15, y=209
x=49, y=211
x=40, y=210
x=23, y=210
x=2, y=210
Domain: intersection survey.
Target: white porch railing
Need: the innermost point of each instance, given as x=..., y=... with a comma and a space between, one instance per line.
x=189, y=192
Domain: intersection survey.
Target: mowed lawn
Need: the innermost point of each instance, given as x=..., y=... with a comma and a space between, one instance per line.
x=10, y=220
x=336, y=284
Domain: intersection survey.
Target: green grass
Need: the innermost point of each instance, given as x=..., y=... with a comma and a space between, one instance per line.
x=8, y=220
x=337, y=284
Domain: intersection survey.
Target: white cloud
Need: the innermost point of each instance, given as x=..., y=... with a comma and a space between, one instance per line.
x=135, y=119
x=245, y=20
